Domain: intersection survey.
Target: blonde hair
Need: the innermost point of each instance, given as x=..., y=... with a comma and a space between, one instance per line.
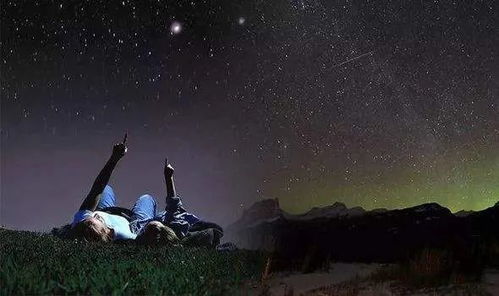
x=165, y=236
x=87, y=231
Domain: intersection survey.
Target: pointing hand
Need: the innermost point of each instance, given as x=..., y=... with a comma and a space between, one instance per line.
x=120, y=149
x=168, y=171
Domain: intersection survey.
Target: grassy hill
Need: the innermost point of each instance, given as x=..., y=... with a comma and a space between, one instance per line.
x=32, y=263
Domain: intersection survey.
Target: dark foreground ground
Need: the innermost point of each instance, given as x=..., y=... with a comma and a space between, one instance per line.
x=32, y=263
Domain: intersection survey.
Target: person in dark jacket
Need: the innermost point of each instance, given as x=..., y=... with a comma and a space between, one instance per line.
x=189, y=228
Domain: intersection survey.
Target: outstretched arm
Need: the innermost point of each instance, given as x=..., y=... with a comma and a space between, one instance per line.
x=173, y=202
x=170, y=184
x=92, y=199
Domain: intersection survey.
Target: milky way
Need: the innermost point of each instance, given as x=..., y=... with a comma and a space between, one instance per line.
x=372, y=103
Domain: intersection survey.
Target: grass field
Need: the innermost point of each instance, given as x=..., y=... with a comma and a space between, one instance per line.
x=32, y=263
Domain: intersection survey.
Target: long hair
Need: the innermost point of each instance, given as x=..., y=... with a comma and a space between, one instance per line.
x=165, y=236
x=87, y=231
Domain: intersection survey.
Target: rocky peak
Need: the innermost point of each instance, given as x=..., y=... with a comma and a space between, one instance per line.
x=261, y=210
x=429, y=207
x=336, y=210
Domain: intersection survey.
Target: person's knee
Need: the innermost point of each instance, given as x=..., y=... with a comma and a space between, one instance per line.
x=109, y=190
x=148, y=201
x=147, y=198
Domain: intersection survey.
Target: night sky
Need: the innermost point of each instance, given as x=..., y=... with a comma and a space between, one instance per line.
x=371, y=103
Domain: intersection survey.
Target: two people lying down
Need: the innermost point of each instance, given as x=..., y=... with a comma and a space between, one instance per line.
x=99, y=218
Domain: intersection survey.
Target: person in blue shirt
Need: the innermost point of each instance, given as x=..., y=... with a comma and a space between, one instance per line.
x=93, y=222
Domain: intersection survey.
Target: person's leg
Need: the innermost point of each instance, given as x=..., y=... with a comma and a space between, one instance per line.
x=144, y=208
x=143, y=212
x=107, y=198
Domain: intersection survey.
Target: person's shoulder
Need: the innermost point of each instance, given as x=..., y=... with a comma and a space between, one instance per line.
x=123, y=235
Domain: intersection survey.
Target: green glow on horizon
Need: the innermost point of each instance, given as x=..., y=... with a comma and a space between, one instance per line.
x=466, y=184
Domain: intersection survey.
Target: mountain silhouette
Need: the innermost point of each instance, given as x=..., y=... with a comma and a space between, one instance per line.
x=337, y=232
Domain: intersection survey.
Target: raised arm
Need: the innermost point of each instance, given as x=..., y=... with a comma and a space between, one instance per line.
x=92, y=200
x=170, y=184
x=173, y=202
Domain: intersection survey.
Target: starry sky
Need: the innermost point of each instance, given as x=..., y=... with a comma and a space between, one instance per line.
x=371, y=103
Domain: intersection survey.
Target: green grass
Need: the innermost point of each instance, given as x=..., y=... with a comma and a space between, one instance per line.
x=32, y=263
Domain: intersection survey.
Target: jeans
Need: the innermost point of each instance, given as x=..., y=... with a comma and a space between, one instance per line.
x=143, y=211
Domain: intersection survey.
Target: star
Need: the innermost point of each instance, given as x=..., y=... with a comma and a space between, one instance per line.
x=175, y=28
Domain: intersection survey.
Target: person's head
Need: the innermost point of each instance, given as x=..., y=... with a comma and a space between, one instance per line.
x=92, y=229
x=156, y=233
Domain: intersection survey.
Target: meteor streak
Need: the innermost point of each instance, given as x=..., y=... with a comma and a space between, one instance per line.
x=351, y=60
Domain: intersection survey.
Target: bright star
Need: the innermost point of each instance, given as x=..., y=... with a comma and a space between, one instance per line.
x=175, y=28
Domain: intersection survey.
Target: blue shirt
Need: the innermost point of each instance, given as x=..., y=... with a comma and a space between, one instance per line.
x=119, y=224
